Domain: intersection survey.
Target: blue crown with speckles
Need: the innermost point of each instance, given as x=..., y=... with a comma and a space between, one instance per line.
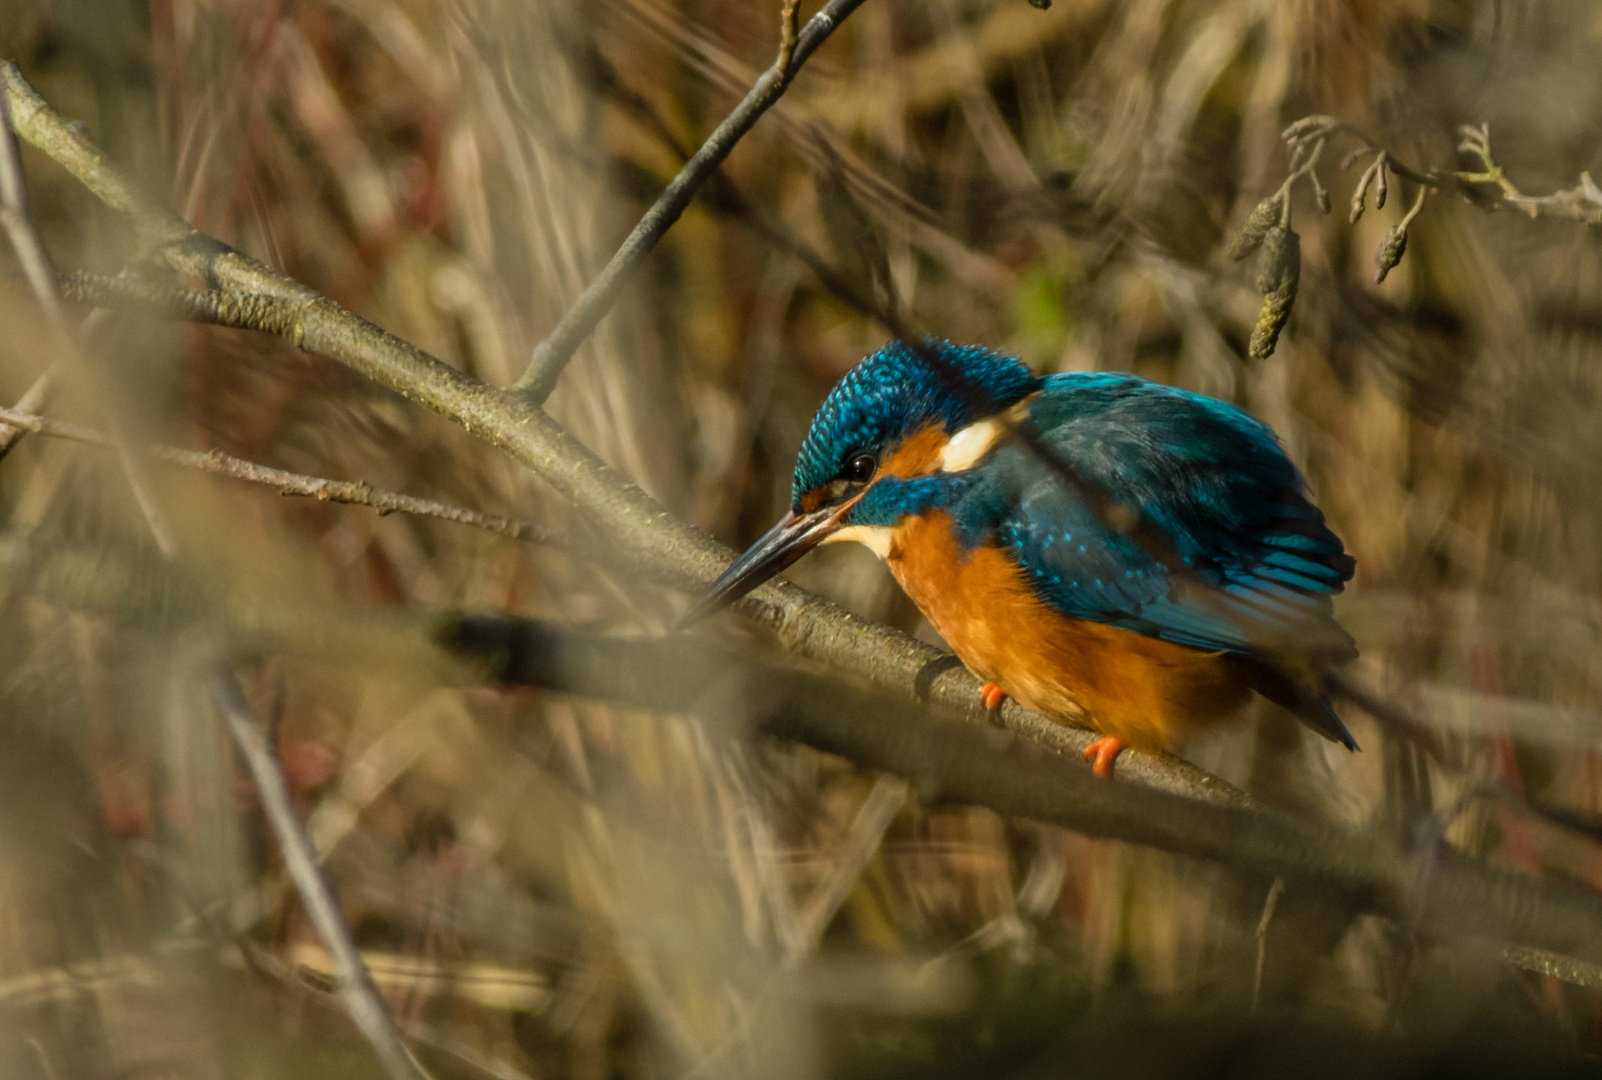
x=896, y=391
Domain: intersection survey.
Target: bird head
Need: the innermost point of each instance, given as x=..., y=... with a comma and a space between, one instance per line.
x=896, y=421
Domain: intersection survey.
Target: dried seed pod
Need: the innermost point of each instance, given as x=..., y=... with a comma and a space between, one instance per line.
x=1277, y=307
x=1264, y=216
x=1390, y=252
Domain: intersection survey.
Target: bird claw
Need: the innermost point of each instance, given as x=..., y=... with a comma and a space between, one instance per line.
x=992, y=696
x=1102, y=753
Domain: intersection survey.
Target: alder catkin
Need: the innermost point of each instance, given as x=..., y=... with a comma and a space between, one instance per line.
x=1264, y=216
x=1277, y=306
x=1390, y=252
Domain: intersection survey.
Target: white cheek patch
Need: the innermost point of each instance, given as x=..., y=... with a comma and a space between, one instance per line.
x=970, y=444
x=876, y=537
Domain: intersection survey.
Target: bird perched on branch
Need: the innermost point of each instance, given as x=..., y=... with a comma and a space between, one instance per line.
x=1108, y=551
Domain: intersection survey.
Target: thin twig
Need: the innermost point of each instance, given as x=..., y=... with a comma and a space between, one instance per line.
x=1274, y=892
x=30, y=250
x=32, y=400
x=353, y=492
x=35, y=261
x=787, y=33
x=552, y=354
x=1418, y=204
x=356, y=989
x=1583, y=202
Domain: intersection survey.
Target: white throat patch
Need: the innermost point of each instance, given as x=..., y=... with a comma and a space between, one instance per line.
x=876, y=537
x=970, y=444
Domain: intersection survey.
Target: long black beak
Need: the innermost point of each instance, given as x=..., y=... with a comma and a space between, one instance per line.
x=792, y=537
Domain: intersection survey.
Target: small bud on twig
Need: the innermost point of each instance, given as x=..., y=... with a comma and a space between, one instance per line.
x=1320, y=194
x=1264, y=216
x=1277, y=307
x=1360, y=196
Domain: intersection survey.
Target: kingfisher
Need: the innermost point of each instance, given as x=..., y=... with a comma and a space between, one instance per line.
x=1106, y=550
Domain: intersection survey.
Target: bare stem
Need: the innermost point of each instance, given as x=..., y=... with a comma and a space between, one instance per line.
x=552, y=354
x=357, y=990
x=1418, y=204
x=787, y=32
x=1274, y=892
x=32, y=400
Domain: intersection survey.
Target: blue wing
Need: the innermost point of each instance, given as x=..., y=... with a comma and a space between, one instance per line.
x=1249, y=565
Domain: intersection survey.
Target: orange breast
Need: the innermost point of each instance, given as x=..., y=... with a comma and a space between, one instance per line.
x=1149, y=692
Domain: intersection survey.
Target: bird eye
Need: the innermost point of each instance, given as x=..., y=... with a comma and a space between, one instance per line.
x=860, y=469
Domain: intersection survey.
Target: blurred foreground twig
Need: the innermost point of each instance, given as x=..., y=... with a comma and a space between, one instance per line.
x=353, y=492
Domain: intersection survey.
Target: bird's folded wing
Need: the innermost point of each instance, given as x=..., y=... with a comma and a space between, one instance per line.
x=1225, y=551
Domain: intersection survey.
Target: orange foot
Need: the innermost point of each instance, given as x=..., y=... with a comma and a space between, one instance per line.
x=1102, y=753
x=992, y=695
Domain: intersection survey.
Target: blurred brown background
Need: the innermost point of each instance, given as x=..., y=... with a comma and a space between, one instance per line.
x=547, y=887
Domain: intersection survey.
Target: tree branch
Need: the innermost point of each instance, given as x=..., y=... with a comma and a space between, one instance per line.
x=1447, y=892
x=660, y=546
x=552, y=354
x=353, y=492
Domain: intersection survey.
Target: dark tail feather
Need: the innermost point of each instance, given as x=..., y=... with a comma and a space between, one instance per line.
x=1311, y=707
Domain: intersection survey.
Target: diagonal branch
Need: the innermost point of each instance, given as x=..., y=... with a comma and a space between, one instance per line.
x=657, y=544
x=552, y=354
